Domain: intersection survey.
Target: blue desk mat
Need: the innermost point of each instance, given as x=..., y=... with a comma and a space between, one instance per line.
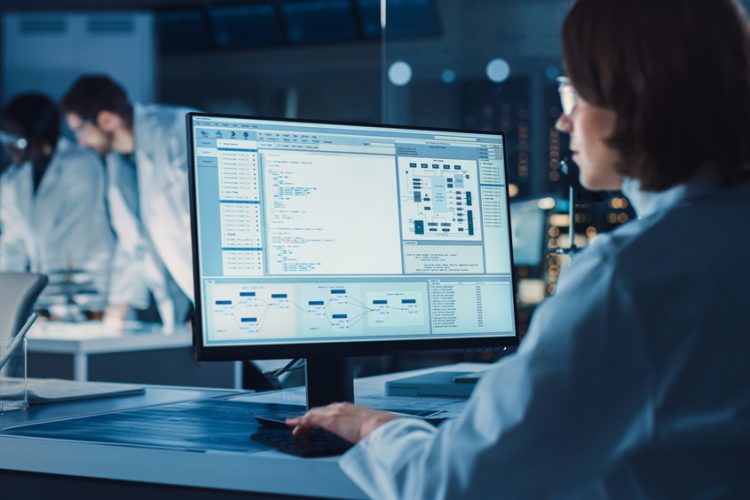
x=211, y=424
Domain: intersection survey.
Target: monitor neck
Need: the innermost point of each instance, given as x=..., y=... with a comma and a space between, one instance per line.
x=329, y=379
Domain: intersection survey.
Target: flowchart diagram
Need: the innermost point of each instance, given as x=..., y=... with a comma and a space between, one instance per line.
x=278, y=311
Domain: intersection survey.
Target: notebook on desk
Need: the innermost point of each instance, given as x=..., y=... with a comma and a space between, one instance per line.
x=41, y=391
x=443, y=384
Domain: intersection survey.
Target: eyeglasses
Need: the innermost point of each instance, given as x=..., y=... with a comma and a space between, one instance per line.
x=568, y=96
x=14, y=141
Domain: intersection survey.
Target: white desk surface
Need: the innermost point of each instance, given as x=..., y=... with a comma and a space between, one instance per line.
x=264, y=472
x=96, y=337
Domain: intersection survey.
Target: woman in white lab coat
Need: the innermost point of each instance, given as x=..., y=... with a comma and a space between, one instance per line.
x=146, y=156
x=51, y=198
x=632, y=381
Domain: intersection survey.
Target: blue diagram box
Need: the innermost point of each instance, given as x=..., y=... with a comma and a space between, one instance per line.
x=447, y=167
x=457, y=167
x=418, y=227
x=408, y=301
x=249, y=320
x=435, y=165
x=424, y=165
x=379, y=302
x=247, y=294
x=223, y=302
x=468, y=198
x=316, y=303
x=340, y=316
x=470, y=217
x=338, y=291
x=278, y=295
x=417, y=196
x=413, y=165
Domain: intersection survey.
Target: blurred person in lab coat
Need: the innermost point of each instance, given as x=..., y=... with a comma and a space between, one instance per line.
x=52, y=206
x=145, y=150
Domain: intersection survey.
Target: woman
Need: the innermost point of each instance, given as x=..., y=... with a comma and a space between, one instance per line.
x=52, y=198
x=633, y=379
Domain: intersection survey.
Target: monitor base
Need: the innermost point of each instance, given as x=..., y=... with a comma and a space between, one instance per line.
x=329, y=379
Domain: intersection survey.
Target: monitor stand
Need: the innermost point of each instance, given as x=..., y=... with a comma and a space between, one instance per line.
x=329, y=379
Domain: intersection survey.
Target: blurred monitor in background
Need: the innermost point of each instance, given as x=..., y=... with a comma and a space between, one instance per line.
x=528, y=220
x=530, y=225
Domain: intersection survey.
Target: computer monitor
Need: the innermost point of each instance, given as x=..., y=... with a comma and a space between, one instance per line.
x=331, y=240
x=529, y=222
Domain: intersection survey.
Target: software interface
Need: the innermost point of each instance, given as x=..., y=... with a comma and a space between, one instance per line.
x=328, y=233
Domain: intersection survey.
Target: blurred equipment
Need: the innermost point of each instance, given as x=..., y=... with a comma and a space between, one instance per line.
x=14, y=141
x=566, y=166
x=18, y=291
x=70, y=294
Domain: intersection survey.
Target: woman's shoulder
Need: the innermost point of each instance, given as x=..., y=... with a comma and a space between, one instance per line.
x=698, y=228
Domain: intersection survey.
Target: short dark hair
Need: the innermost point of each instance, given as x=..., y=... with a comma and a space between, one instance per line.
x=92, y=94
x=677, y=75
x=36, y=115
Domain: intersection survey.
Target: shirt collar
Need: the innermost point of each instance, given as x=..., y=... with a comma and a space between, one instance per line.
x=646, y=203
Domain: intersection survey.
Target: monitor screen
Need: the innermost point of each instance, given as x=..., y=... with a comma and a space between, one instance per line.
x=318, y=234
x=529, y=223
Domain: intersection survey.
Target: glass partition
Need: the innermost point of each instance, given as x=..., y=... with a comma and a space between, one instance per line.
x=493, y=66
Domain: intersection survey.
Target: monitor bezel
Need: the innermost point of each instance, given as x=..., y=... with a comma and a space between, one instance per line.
x=356, y=348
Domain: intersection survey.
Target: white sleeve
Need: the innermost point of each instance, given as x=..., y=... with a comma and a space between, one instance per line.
x=13, y=255
x=82, y=238
x=543, y=422
x=127, y=285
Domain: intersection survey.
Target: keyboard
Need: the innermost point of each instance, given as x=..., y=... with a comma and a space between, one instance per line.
x=317, y=443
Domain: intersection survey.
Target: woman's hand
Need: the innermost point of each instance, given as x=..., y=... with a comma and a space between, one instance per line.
x=347, y=420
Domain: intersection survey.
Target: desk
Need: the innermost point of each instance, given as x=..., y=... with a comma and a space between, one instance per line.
x=28, y=464
x=115, y=350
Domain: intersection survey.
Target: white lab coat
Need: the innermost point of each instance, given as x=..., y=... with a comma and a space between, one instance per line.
x=64, y=225
x=150, y=212
x=631, y=383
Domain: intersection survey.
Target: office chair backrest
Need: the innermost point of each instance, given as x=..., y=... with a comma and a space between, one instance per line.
x=18, y=292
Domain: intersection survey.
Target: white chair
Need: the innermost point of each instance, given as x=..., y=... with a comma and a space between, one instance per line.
x=18, y=292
